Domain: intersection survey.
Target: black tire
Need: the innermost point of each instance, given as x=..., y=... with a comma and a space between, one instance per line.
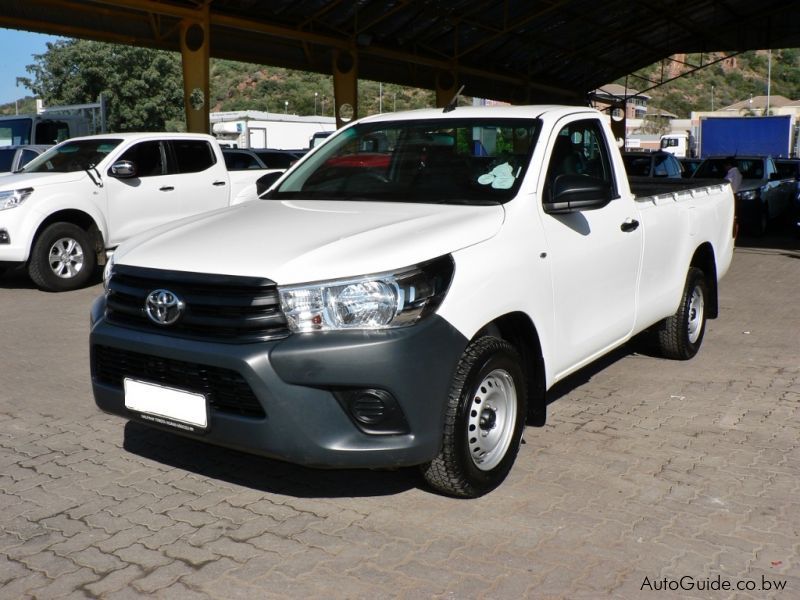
x=464, y=467
x=680, y=336
x=62, y=258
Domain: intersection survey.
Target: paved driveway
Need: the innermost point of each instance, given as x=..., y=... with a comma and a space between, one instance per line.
x=647, y=471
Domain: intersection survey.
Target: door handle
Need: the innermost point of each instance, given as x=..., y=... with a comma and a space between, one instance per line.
x=166, y=188
x=218, y=183
x=629, y=225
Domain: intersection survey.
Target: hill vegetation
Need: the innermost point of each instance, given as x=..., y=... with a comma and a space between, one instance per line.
x=76, y=71
x=729, y=81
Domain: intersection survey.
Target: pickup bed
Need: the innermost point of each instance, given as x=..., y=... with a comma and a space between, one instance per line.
x=406, y=294
x=85, y=196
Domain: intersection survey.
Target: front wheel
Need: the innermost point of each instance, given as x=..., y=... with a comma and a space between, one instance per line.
x=62, y=258
x=484, y=421
x=680, y=336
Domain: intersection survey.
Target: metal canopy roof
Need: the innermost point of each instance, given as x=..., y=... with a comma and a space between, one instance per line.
x=514, y=50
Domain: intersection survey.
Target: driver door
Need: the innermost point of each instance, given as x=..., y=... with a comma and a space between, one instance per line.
x=144, y=201
x=594, y=254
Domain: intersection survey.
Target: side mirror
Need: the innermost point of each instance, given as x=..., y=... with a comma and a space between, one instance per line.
x=775, y=176
x=123, y=169
x=265, y=182
x=574, y=193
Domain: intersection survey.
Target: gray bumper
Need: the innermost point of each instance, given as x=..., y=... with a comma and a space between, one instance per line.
x=294, y=381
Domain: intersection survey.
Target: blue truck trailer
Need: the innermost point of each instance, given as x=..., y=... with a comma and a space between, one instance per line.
x=732, y=136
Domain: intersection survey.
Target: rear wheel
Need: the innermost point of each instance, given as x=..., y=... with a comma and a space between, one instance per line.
x=62, y=258
x=680, y=336
x=484, y=421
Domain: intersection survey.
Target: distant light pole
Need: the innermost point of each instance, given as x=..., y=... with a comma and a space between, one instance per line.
x=315, y=103
x=285, y=106
x=323, y=105
x=769, y=80
x=380, y=97
x=712, y=98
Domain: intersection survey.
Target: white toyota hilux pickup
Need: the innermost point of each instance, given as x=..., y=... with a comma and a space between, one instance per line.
x=64, y=209
x=406, y=294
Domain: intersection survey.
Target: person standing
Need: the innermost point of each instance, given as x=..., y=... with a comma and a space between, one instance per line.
x=732, y=173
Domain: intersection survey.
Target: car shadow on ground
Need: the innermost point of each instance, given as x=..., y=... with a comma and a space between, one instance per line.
x=263, y=474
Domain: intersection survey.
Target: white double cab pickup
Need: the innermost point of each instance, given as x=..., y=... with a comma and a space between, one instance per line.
x=63, y=211
x=406, y=294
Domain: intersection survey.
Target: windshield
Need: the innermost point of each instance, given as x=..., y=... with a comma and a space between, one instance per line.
x=637, y=165
x=15, y=132
x=474, y=161
x=714, y=168
x=77, y=155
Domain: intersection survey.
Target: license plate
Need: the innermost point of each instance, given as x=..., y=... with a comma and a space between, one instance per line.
x=166, y=406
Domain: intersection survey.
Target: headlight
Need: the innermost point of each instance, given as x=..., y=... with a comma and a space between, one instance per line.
x=748, y=195
x=13, y=198
x=380, y=301
x=108, y=271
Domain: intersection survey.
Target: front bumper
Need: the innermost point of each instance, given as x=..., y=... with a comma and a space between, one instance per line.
x=294, y=381
x=15, y=238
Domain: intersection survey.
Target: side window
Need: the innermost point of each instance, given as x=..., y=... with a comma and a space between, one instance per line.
x=660, y=167
x=148, y=158
x=673, y=167
x=51, y=132
x=26, y=157
x=193, y=156
x=579, y=149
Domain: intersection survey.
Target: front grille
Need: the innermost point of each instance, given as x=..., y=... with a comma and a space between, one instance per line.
x=226, y=390
x=219, y=308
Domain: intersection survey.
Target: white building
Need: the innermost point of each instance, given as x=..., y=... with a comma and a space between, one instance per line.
x=258, y=129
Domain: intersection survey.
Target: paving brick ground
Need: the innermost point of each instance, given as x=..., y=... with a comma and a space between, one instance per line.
x=647, y=470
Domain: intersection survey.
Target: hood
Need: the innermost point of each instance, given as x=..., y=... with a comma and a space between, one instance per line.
x=305, y=241
x=14, y=181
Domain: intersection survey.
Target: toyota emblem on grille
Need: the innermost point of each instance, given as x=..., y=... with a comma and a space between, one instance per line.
x=163, y=307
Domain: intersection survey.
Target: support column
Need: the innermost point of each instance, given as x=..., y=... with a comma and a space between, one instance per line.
x=195, y=55
x=345, y=86
x=618, y=120
x=445, y=88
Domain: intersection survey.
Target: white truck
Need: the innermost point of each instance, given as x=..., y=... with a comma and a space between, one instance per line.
x=406, y=294
x=83, y=197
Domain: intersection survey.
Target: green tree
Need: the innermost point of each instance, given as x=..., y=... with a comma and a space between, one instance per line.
x=143, y=88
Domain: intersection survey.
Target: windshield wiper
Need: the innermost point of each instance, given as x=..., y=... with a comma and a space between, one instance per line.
x=99, y=181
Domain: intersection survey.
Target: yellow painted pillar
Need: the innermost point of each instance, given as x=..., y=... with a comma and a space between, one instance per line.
x=195, y=55
x=345, y=86
x=445, y=88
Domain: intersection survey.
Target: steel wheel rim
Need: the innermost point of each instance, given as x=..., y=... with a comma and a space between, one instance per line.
x=65, y=258
x=492, y=418
x=695, y=322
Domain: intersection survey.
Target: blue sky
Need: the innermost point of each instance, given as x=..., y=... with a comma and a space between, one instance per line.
x=18, y=48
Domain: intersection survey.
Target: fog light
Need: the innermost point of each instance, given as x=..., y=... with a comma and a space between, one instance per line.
x=4, y=237
x=373, y=411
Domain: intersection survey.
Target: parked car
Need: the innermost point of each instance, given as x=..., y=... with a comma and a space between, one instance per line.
x=763, y=196
x=13, y=158
x=278, y=159
x=789, y=169
x=408, y=307
x=61, y=214
x=689, y=166
x=242, y=160
x=651, y=164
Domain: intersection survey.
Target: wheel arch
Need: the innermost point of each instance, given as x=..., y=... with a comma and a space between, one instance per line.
x=83, y=220
x=518, y=329
x=705, y=260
